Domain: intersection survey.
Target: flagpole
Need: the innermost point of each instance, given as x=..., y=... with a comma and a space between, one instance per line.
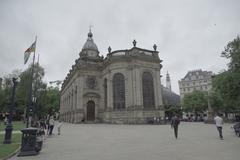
x=30, y=85
x=35, y=90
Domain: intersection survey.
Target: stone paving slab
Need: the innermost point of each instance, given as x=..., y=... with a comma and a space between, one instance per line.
x=197, y=141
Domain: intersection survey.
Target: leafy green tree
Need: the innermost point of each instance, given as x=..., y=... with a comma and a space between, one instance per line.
x=23, y=89
x=232, y=52
x=6, y=91
x=170, y=110
x=3, y=100
x=195, y=102
x=48, y=101
x=52, y=99
x=227, y=84
x=46, y=98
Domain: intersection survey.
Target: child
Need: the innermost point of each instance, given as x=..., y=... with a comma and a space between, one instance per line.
x=59, y=127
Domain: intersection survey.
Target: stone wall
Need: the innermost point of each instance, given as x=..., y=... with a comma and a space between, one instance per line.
x=134, y=115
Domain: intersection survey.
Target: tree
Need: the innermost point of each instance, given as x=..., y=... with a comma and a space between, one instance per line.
x=52, y=99
x=6, y=90
x=216, y=102
x=46, y=98
x=23, y=91
x=170, y=110
x=227, y=84
x=195, y=102
x=48, y=101
x=232, y=52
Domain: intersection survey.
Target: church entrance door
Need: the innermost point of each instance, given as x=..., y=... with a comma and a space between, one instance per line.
x=90, y=111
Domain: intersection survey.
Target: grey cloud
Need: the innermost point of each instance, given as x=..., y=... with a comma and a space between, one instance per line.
x=189, y=34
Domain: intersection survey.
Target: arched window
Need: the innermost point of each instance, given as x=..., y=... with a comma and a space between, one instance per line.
x=148, y=90
x=118, y=91
x=105, y=93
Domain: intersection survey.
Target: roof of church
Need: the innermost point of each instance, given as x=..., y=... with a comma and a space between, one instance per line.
x=99, y=63
x=89, y=44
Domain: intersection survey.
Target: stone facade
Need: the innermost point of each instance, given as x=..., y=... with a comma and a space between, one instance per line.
x=195, y=80
x=111, y=89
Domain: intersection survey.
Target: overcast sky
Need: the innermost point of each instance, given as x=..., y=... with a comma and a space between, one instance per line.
x=190, y=34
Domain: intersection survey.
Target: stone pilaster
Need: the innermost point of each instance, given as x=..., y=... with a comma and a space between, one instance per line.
x=129, y=86
x=109, y=92
x=138, y=87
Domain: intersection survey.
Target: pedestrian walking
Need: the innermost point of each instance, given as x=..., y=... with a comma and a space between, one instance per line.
x=59, y=127
x=174, y=124
x=51, y=125
x=219, y=124
x=47, y=126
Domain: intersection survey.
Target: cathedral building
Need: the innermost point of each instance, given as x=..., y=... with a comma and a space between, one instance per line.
x=123, y=87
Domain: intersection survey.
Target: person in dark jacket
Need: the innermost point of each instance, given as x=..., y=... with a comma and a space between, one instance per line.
x=174, y=124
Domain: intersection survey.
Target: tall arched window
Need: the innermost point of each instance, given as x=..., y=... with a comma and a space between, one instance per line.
x=105, y=93
x=148, y=90
x=118, y=91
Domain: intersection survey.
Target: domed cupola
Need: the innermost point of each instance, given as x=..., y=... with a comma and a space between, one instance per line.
x=90, y=45
x=90, y=50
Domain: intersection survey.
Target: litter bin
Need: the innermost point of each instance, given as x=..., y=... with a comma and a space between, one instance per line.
x=29, y=142
x=39, y=141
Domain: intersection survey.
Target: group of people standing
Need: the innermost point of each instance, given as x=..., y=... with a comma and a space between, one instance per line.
x=49, y=124
x=218, y=121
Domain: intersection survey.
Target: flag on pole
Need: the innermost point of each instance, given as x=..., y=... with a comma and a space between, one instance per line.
x=29, y=51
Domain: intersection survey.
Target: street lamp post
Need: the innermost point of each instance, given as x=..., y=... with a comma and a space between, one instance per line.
x=9, y=127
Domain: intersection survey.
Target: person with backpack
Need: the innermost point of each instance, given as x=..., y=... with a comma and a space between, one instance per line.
x=174, y=124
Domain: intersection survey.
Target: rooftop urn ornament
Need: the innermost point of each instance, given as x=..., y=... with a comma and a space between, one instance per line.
x=109, y=49
x=134, y=43
x=155, y=47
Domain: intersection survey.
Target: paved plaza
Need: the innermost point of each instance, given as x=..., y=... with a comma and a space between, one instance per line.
x=197, y=141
